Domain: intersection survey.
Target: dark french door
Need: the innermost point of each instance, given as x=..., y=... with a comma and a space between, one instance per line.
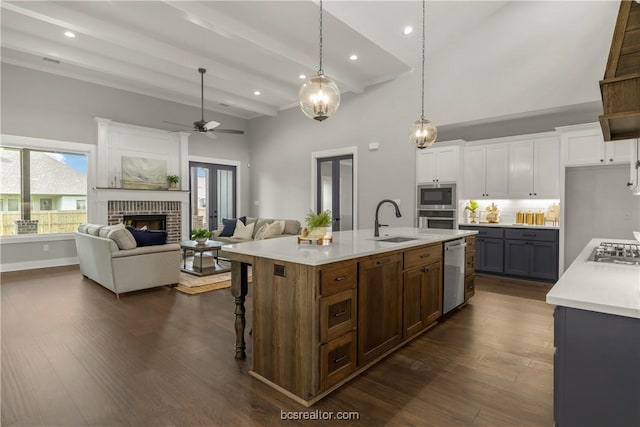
x=335, y=190
x=213, y=194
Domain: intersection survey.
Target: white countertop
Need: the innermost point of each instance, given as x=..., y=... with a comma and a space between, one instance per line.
x=602, y=287
x=346, y=245
x=510, y=225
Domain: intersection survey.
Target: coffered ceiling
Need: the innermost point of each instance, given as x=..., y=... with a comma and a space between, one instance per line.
x=156, y=47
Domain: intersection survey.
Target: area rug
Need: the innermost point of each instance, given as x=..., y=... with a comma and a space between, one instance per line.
x=193, y=285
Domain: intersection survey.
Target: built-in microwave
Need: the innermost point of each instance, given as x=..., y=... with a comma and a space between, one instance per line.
x=437, y=196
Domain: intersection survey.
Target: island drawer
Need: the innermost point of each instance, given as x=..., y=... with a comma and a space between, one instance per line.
x=470, y=263
x=337, y=359
x=471, y=244
x=338, y=277
x=469, y=287
x=422, y=256
x=337, y=315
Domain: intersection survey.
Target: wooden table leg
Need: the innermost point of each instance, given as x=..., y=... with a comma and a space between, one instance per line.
x=239, y=286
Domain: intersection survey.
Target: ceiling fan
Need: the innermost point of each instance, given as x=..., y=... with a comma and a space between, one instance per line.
x=202, y=125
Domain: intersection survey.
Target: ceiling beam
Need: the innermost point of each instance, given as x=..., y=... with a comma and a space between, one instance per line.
x=67, y=18
x=36, y=46
x=212, y=20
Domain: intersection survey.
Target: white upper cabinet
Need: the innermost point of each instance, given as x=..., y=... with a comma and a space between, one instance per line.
x=485, y=171
x=534, y=169
x=584, y=145
x=437, y=164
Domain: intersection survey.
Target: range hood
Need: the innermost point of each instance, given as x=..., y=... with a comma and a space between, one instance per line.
x=620, y=87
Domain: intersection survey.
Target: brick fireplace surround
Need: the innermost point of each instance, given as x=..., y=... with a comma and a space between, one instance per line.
x=117, y=209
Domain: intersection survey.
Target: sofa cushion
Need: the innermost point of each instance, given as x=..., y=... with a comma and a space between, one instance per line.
x=271, y=230
x=94, y=229
x=119, y=234
x=229, y=225
x=147, y=250
x=291, y=226
x=148, y=237
x=243, y=231
x=231, y=240
x=259, y=223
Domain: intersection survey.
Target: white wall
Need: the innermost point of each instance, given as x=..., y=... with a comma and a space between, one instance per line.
x=43, y=105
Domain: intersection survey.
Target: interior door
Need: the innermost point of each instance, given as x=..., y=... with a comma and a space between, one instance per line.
x=213, y=194
x=335, y=190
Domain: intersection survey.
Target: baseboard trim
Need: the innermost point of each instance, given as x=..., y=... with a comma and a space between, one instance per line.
x=45, y=263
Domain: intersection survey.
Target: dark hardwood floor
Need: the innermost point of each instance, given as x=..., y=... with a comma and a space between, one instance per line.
x=72, y=354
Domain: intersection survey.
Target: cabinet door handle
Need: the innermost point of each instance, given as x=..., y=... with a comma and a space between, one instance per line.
x=339, y=359
x=340, y=313
x=425, y=255
x=340, y=278
x=611, y=160
x=602, y=160
x=529, y=235
x=629, y=184
x=426, y=269
x=383, y=261
x=535, y=194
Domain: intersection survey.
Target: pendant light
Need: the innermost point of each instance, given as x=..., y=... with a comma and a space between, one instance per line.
x=423, y=132
x=319, y=96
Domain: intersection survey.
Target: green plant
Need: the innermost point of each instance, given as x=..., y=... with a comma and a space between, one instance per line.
x=322, y=219
x=200, y=233
x=173, y=179
x=471, y=206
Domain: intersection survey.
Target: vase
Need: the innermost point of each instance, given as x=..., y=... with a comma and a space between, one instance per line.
x=201, y=240
x=173, y=186
x=318, y=232
x=473, y=216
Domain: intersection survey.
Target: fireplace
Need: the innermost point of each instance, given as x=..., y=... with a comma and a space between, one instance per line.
x=152, y=222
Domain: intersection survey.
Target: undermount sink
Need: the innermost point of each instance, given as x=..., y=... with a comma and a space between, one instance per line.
x=396, y=239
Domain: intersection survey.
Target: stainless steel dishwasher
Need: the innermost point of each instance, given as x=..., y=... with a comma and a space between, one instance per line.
x=453, y=294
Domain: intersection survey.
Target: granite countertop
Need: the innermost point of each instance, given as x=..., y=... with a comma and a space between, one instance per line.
x=601, y=287
x=346, y=245
x=511, y=225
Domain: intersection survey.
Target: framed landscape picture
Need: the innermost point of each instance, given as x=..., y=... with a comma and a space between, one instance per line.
x=144, y=173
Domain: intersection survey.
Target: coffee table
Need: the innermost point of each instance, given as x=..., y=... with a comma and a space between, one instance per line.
x=198, y=252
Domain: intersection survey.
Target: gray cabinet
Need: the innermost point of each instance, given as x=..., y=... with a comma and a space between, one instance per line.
x=523, y=252
x=596, y=380
x=531, y=253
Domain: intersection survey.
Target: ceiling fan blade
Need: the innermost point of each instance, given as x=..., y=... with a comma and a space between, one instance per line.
x=212, y=124
x=232, y=131
x=179, y=124
x=210, y=135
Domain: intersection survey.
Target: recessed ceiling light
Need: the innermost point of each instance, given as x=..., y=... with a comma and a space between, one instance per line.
x=256, y=93
x=70, y=34
x=353, y=57
x=407, y=30
x=302, y=77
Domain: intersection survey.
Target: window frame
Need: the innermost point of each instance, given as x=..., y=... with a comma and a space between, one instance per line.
x=41, y=144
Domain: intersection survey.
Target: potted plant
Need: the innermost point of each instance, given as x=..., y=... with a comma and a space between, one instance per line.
x=472, y=206
x=200, y=235
x=173, y=181
x=317, y=223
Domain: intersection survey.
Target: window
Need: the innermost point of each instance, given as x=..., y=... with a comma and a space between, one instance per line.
x=45, y=204
x=46, y=186
x=81, y=205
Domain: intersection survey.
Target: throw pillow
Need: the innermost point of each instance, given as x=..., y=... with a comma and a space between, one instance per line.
x=229, y=226
x=272, y=230
x=258, y=234
x=243, y=231
x=123, y=238
x=260, y=222
x=148, y=237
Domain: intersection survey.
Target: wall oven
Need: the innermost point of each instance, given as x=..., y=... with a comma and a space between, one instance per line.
x=438, y=218
x=437, y=196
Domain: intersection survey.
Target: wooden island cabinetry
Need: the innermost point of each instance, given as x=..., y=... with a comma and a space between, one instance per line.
x=317, y=326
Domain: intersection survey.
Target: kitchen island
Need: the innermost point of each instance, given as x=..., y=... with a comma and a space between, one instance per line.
x=597, y=340
x=322, y=314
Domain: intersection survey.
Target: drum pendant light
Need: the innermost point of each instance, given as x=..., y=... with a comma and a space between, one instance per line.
x=319, y=96
x=423, y=132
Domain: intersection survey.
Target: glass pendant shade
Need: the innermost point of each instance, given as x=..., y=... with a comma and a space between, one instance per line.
x=423, y=133
x=319, y=97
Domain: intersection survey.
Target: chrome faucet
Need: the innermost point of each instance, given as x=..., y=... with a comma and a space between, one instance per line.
x=377, y=224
